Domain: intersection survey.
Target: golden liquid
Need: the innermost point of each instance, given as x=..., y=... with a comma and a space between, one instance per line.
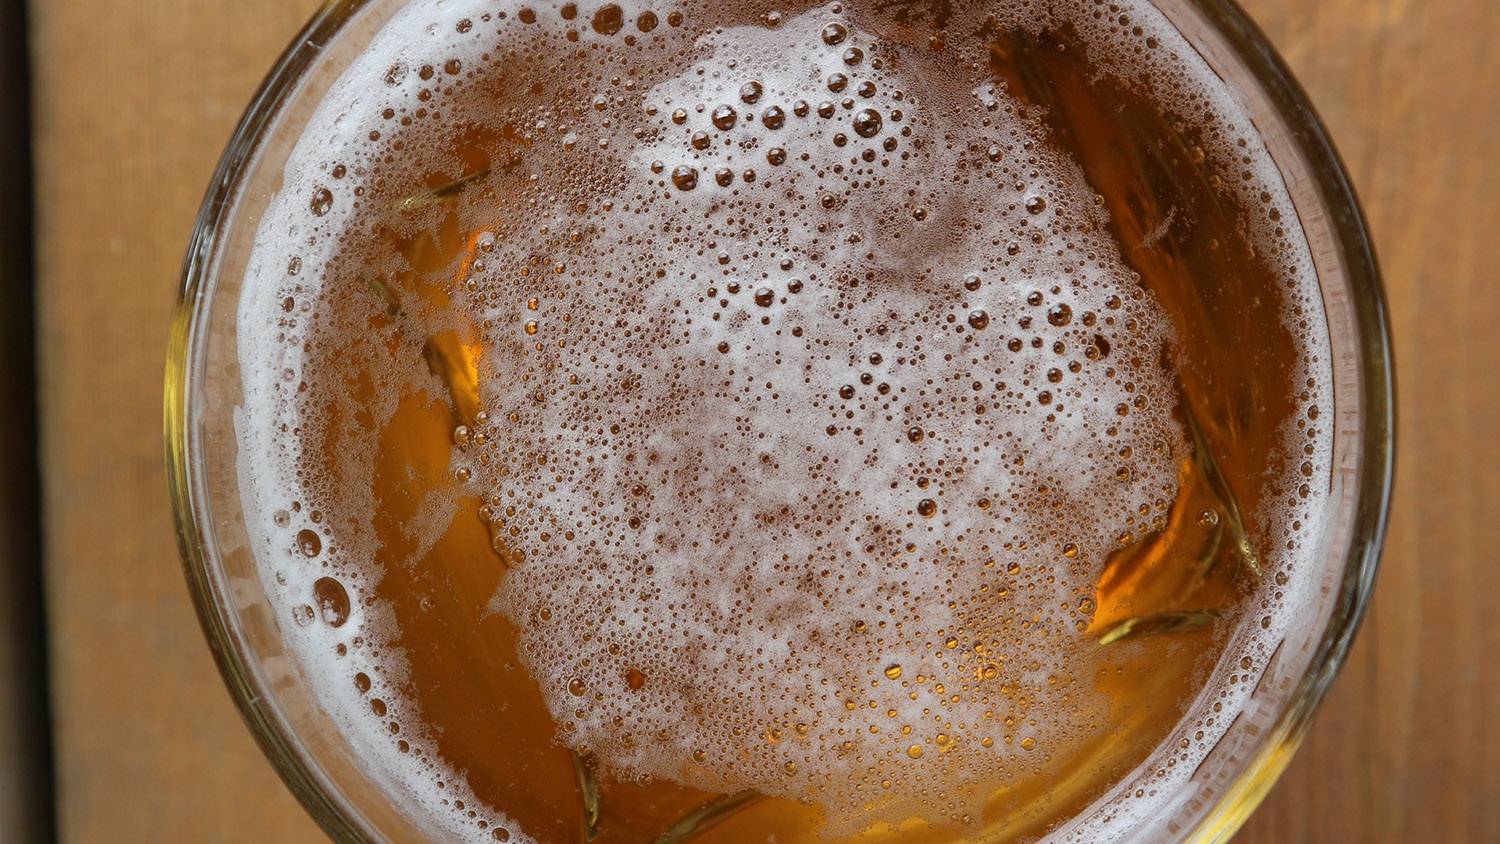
x=1163, y=604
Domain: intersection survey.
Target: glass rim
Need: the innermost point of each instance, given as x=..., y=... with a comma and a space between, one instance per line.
x=1374, y=463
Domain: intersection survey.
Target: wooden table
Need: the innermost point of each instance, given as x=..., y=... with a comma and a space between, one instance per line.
x=134, y=102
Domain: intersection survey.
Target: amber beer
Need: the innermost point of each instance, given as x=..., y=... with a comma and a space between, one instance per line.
x=735, y=421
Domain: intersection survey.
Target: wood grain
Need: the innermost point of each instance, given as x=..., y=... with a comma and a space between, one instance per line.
x=134, y=102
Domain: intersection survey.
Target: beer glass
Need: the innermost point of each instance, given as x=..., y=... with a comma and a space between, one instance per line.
x=356, y=802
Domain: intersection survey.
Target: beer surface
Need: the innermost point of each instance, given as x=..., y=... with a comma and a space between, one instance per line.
x=742, y=421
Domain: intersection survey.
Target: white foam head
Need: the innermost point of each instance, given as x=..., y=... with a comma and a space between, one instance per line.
x=842, y=408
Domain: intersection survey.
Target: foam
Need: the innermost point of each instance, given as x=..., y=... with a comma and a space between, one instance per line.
x=726, y=428
x=769, y=643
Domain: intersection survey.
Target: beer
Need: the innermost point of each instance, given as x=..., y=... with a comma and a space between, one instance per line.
x=745, y=422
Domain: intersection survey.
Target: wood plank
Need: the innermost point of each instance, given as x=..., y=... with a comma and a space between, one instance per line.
x=134, y=102
x=25, y=781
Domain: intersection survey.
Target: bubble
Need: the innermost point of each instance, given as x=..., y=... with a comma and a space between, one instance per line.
x=834, y=34
x=867, y=123
x=1060, y=315
x=322, y=201
x=332, y=600
x=978, y=320
x=723, y=117
x=773, y=117
x=309, y=543
x=646, y=21
x=776, y=156
x=765, y=297
x=1036, y=205
x=684, y=177
x=609, y=20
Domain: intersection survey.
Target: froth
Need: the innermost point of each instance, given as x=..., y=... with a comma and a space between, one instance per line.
x=814, y=394
x=796, y=516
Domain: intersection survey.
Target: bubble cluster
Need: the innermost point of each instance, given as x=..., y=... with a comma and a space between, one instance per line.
x=813, y=392
x=746, y=450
